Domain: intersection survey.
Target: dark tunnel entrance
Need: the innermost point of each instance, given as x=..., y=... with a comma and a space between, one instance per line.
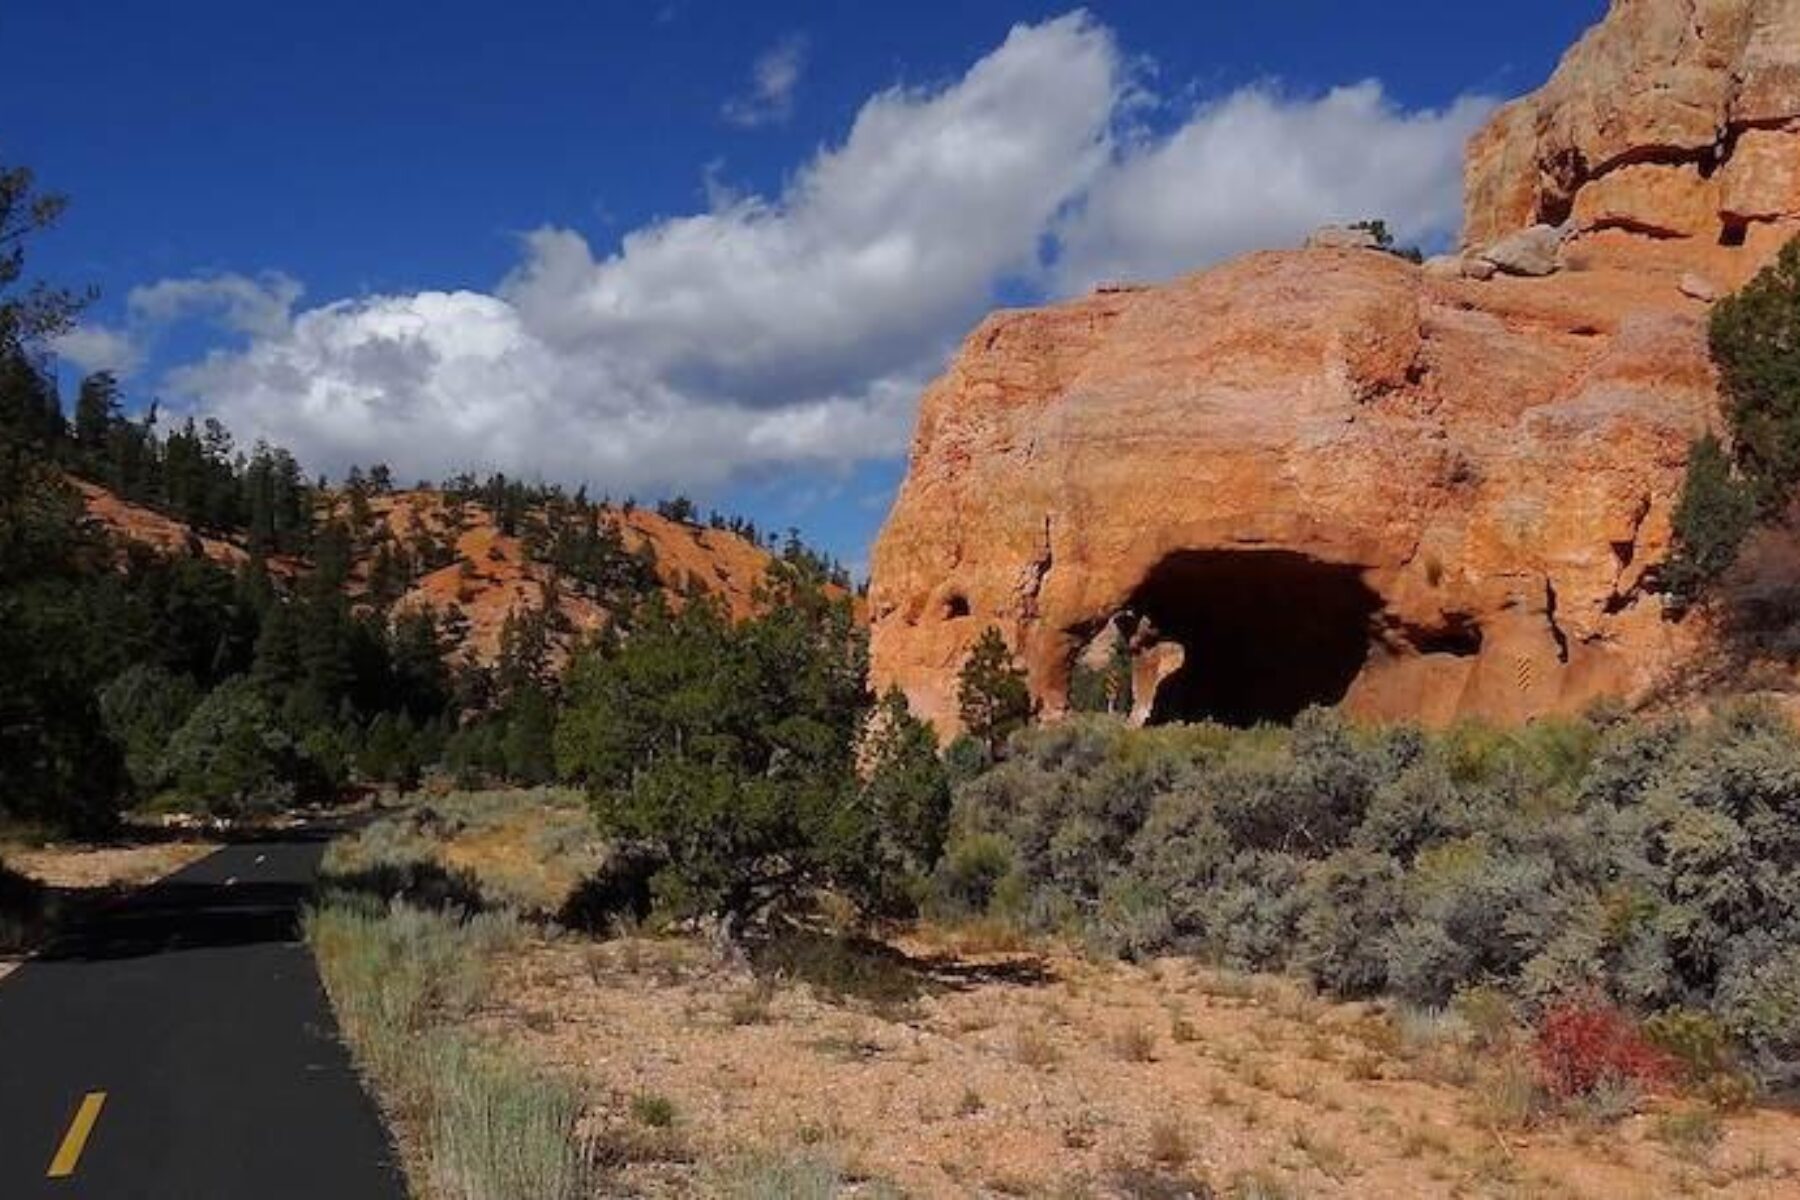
x=1267, y=633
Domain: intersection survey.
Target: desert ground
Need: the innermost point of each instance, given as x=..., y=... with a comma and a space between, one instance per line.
x=934, y=1061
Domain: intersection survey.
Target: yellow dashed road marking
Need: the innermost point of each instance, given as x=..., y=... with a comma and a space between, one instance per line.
x=69, y=1153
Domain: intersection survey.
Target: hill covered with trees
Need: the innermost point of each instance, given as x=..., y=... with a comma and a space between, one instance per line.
x=194, y=622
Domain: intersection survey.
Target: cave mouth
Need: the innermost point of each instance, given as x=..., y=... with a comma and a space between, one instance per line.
x=1267, y=633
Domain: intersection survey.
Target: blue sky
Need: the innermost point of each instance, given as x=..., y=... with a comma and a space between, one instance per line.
x=711, y=247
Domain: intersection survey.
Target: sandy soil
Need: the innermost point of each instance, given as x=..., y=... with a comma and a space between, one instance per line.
x=83, y=867
x=1027, y=1074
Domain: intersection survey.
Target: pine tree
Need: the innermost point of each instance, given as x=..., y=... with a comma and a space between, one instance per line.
x=907, y=794
x=1756, y=343
x=421, y=681
x=34, y=312
x=97, y=408
x=991, y=693
x=529, y=744
x=1712, y=516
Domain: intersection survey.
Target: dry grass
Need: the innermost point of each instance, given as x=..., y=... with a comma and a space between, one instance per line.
x=100, y=867
x=1169, y=1145
x=837, y=1065
x=1032, y=1047
x=478, y=1122
x=1135, y=1043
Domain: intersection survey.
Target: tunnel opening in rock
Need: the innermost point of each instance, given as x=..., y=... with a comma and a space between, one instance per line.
x=1267, y=633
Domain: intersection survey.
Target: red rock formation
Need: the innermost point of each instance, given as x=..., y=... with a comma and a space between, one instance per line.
x=1671, y=117
x=121, y=519
x=1328, y=475
x=493, y=575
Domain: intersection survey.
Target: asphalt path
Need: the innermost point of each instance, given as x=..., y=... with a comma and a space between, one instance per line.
x=177, y=1045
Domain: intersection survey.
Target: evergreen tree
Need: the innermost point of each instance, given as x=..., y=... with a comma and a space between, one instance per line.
x=31, y=313
x=525, y=651
x=529, y=745
x=97, y=410
x=421, y=683
x=1756, y=343
x=907, y=798
x=1714, y=512
x=991, y=693
x=728, y=751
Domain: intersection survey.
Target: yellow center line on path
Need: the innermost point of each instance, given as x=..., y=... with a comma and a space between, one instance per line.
x=69, y=1153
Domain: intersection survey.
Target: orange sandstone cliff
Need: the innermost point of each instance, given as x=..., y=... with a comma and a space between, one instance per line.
x=1331, y=476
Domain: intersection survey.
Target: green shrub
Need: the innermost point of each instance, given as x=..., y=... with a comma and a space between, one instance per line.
x=1349, y=902
x=968, y=876
x=1654, y=863
x=1759, y=1001
x=658, y=1112
x=1255, y=910
x=1700, y=1046
x=1755, y=338
x=233, y=756
x=1713, y=515
x=965, y=758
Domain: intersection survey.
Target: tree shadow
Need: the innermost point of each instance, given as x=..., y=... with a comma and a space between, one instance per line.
x=177, y=915
x=874, y=972
x=420, y=883
x=618, y=891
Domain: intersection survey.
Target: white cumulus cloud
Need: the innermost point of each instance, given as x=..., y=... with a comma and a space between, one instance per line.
x=93, y=347
x=796, y=329
x=258, y=308
x=770, y=331
x=773, y=79
x=261, y=306
x=1261, y=168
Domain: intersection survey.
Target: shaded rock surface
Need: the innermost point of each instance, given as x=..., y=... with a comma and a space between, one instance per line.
x=1329, y=476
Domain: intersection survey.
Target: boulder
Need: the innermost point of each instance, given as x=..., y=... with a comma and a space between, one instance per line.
x=1444, y=266
x=1698, y=287
x=1533, y=252
x=1342, y=237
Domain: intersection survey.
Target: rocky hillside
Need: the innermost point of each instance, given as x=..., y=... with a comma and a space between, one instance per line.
x=430, y=549
x=1333, y=476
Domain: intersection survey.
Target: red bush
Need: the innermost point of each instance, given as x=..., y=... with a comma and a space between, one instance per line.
x=1583, y=1043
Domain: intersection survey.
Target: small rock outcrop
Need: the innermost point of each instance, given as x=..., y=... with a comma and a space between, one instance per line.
x=1343, y=237
x=1533, y=252
x=1328, y=476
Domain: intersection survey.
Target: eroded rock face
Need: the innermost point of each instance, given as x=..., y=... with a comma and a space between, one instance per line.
x=1671, y=118
x=1330, y=476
